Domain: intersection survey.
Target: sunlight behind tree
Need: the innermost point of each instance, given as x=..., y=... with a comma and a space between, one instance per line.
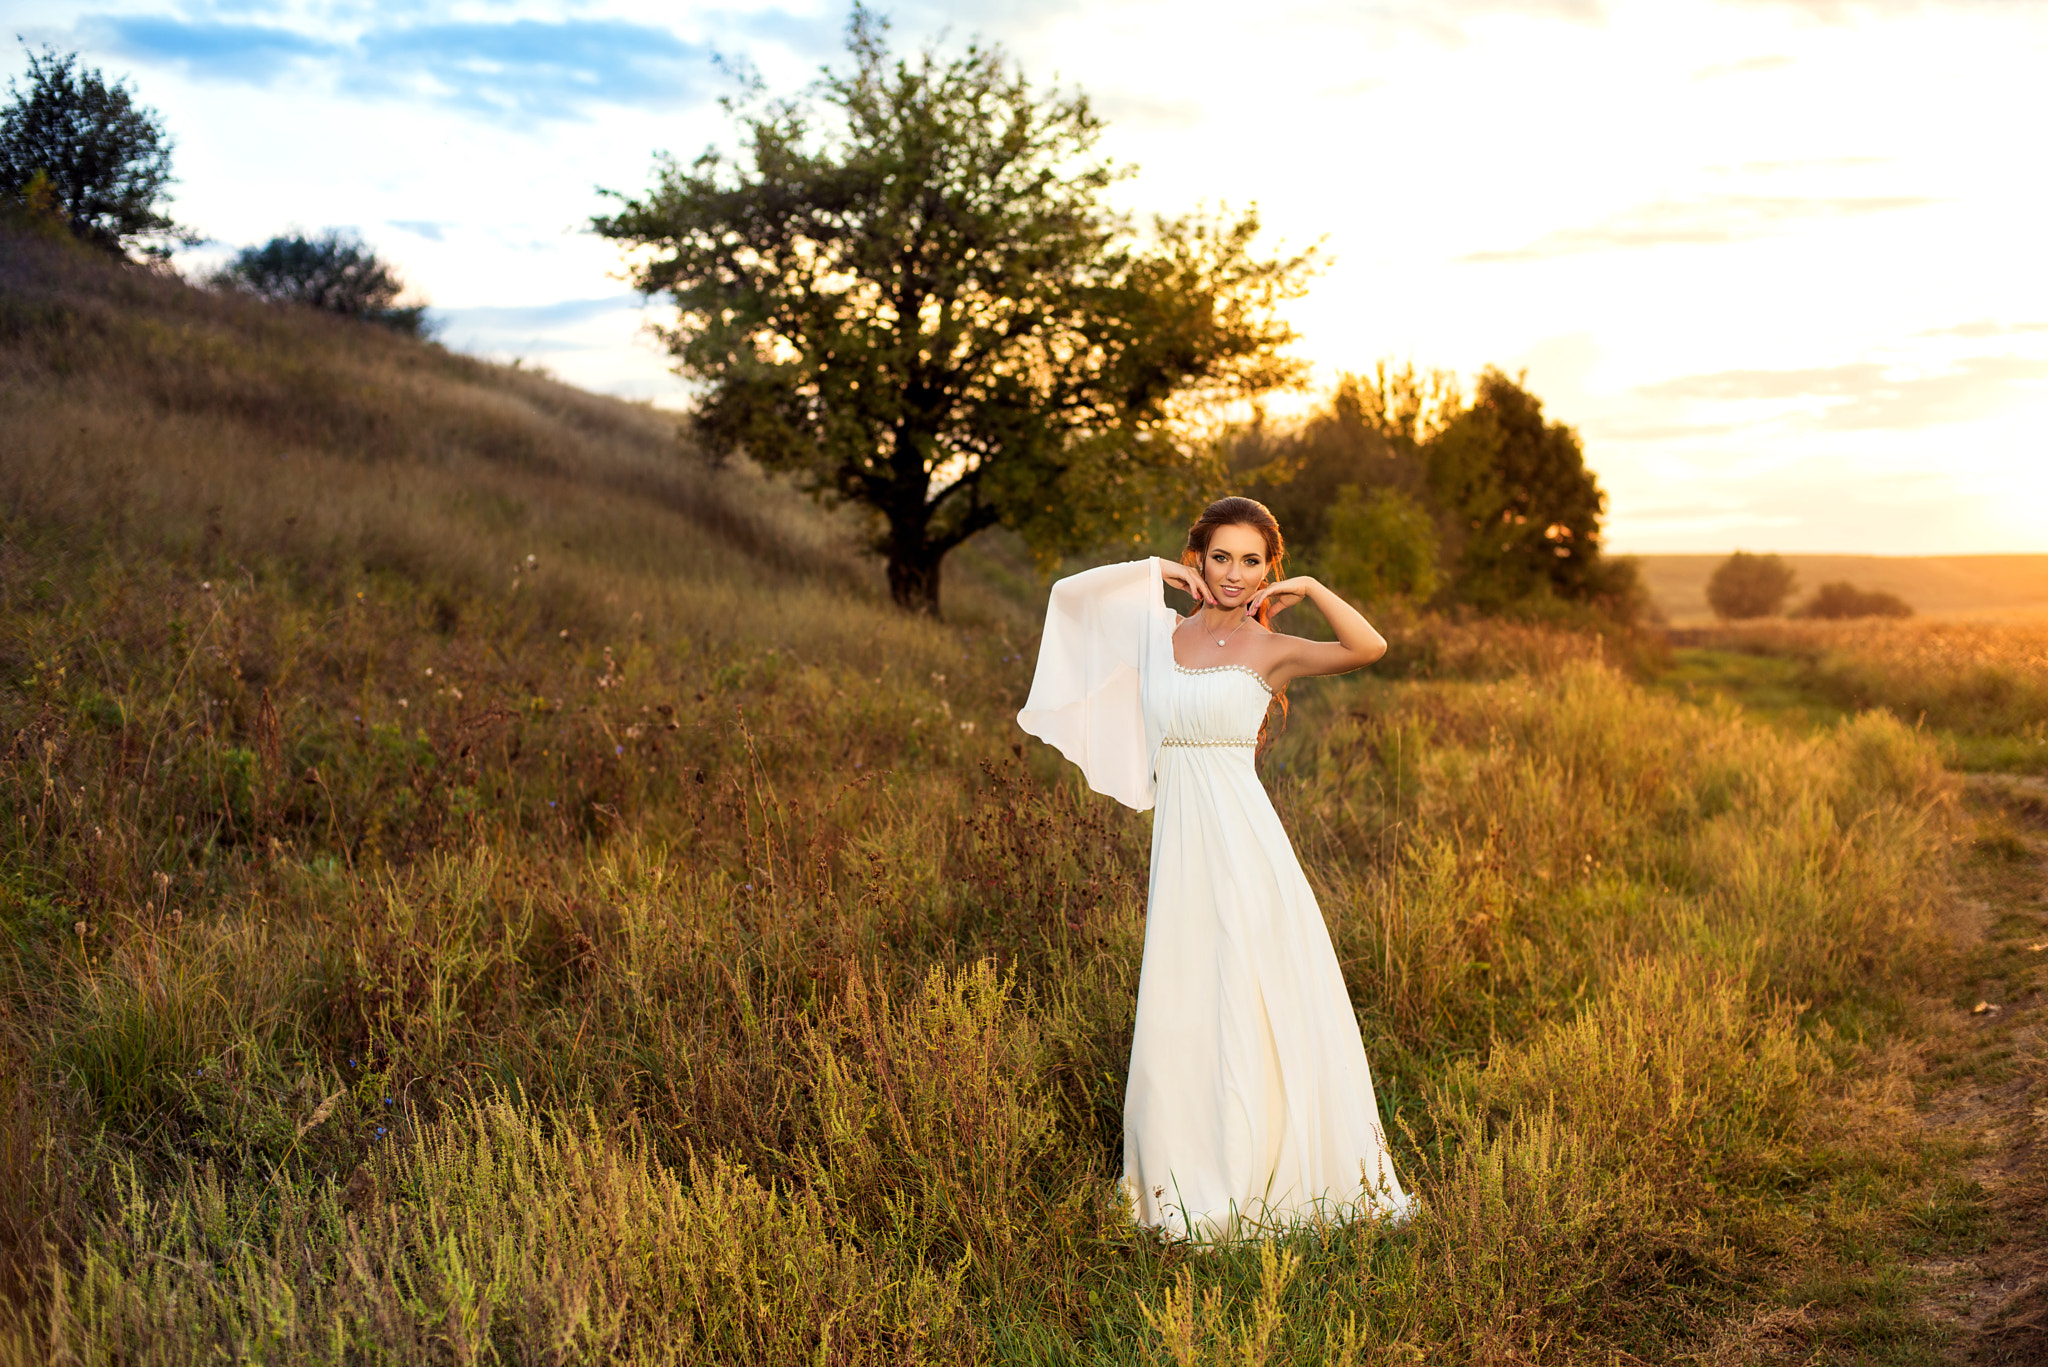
x=910, y=294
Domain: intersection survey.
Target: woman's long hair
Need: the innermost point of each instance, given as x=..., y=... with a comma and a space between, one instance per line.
x=1238, y=511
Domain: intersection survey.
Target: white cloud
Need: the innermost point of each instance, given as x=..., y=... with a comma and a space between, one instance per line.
x=1755, y=258
x=1705, y=221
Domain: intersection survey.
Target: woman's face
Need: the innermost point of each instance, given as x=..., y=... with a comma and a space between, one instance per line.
x=1235, y=564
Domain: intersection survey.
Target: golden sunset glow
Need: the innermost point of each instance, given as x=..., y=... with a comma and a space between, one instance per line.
x=1776, y=261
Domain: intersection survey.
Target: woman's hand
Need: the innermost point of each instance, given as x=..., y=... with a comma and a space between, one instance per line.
x=1282, y=595
x=1187, y=579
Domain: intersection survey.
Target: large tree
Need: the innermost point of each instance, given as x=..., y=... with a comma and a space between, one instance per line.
x=909, y=292
x=1523, y=509
x=100, y=161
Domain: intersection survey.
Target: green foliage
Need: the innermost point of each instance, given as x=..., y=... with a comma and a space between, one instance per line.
x=333, y=271
x=911, y=295
x=77, y=150
x=1515, y=514
x=1369, y=432
x=1524, y=510
x=1378, y=545
x=1842, y=600
x=1745, y=586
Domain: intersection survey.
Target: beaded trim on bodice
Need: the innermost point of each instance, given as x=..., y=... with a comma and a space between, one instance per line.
x=1180, y=668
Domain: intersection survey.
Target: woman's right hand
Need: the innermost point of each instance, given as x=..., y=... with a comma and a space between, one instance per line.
x=1187, y=579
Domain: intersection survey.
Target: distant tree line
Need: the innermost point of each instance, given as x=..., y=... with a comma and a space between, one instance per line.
x=1745, y=587
x=1399, y=487
x=81, y=158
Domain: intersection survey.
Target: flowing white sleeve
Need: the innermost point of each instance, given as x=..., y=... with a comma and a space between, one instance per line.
x=1108, y=633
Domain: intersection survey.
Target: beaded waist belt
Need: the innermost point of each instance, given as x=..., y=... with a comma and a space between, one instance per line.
x=1210, y=744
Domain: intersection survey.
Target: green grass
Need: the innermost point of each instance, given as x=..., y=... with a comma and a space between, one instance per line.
x=1771, y=687
x=1794, y=689
x=664, y=951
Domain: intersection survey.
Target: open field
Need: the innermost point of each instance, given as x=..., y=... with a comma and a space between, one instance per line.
x=1979, y=688
x=661, y=950
x=2011, y=588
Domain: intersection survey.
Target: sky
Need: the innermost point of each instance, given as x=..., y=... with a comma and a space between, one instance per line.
x=1778, y=261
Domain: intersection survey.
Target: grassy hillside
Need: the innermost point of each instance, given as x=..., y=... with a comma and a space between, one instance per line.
x=658, y=949
x=1963, y=587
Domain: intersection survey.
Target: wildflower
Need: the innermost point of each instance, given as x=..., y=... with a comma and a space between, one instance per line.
x=618, y=749
x=380, y=1131
x=532, y=562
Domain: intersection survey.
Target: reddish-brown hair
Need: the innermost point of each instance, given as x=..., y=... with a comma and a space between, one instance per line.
x=1238, y=511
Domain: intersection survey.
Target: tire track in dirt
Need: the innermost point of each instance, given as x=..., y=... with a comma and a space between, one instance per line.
x=1984, y=1091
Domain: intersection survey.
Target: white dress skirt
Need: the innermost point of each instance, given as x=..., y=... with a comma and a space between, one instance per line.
x=1249, y=1108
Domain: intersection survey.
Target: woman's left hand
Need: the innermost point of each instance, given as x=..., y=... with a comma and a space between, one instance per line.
x=1282, y=595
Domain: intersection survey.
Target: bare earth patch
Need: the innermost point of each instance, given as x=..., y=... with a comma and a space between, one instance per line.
x=1985, y=1088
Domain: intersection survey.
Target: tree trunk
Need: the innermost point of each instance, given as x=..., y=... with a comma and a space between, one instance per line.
x=914, y=582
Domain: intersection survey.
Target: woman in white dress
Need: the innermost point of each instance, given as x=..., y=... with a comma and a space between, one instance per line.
x=1249, y=1107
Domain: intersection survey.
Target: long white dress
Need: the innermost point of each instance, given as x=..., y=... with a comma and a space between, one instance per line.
x=1249, y=1107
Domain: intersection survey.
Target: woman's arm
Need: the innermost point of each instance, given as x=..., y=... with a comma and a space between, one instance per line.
x=1357, y=644
x=1187, y=580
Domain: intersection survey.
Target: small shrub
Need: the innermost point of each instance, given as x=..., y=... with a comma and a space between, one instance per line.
x=333, y=271
x=1841, y=600
x=1745, y=586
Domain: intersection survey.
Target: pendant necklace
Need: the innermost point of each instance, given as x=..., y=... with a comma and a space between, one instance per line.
x=1220, y=640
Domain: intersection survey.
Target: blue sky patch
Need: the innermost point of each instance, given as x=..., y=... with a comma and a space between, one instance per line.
x=525, y=69
x=237, y=52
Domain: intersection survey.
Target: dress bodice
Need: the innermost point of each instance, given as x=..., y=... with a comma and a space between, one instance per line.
x=1220, y=706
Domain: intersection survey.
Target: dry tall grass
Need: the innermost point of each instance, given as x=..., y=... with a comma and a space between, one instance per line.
x=664, y=951
x=1981, y=688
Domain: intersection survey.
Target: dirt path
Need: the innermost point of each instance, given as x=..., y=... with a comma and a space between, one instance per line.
x=1984, y=1091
